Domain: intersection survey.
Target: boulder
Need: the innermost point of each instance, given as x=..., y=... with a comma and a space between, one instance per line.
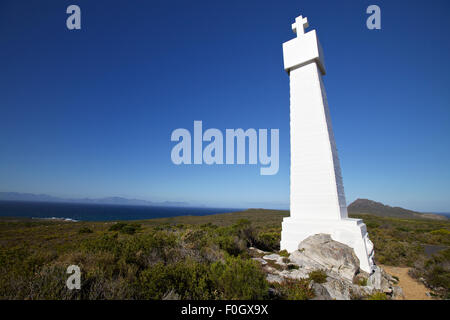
x=320, y=292
x=380, y=280
x=358, y=292
x=322, y=252
x=271, y=278
x=338, y=289
x=397, y=293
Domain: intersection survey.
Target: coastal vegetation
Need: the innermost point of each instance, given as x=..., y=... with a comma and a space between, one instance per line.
x=191, y=257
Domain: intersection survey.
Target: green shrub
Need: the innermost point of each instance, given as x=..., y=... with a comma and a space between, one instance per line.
x=190, y=280
x=362, y=282
x=437, y=271
x=234, y=279
x=129, y=229
x=84, y=230
x=103, y=243
x=208, y=225
x=292, y=289
x=233, y=245
x=268, y=241
x=442, y=232
x=318, y=276
x=117, y=226
x=125, y=227
x=284, y=253
x=394, y=252
x=378, y=296
x=239, y=279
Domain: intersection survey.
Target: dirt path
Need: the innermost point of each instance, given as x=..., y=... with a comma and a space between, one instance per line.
x=412, y=289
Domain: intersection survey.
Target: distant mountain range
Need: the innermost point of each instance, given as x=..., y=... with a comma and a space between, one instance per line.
x=361, y=206
x=16, y=196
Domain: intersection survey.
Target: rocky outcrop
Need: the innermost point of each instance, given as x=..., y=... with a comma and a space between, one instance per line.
x=380, y=280
x=331, y=255
x=344, y=280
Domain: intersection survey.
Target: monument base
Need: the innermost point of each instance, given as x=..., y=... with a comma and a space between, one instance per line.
x=351, y=232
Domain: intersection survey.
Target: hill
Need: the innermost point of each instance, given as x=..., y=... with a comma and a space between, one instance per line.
x=364, y=206
x=31, y=197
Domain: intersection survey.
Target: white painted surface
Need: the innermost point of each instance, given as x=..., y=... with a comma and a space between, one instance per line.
x=302, y=50
x=317, y=196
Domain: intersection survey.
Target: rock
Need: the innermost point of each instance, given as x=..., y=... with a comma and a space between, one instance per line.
x=329, y=254
x=375, y=278
x=338, y=289
x=262, y=261
x=275, y=257
x=361, y=278
x=358, y=292
x=271, y=278
x=379, y=280
x=299, y=259
x=272, y=256
x=294, y=274
x=397, y=293
x=320, y=292
x=270, y=269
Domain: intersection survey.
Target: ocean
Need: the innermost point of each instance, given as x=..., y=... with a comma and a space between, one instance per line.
x=98, y=212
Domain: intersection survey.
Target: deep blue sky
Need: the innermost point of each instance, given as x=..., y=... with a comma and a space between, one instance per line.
x=89, y=113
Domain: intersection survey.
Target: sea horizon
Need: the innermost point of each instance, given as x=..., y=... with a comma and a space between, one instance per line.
x=100, y=212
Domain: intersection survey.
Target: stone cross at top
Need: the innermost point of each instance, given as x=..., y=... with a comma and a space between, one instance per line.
x=300, y=25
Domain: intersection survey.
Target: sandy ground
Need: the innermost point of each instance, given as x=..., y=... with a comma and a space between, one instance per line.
x=412, y=289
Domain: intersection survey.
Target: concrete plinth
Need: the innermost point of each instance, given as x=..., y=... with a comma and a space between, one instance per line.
x=351, y=232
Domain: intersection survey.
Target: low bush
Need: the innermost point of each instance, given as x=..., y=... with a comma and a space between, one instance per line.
x=378, y=296
x=233, y=279
x=436, y=272
x=318, y=276
x=117, y=226
x=125, y=227
x=84, y=230
x=442, y=232
x=283, y=253
x=268, y=241
x=291, y=289
x=362, y=282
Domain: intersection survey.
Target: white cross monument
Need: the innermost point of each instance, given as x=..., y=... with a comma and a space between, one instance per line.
x=317, y=192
